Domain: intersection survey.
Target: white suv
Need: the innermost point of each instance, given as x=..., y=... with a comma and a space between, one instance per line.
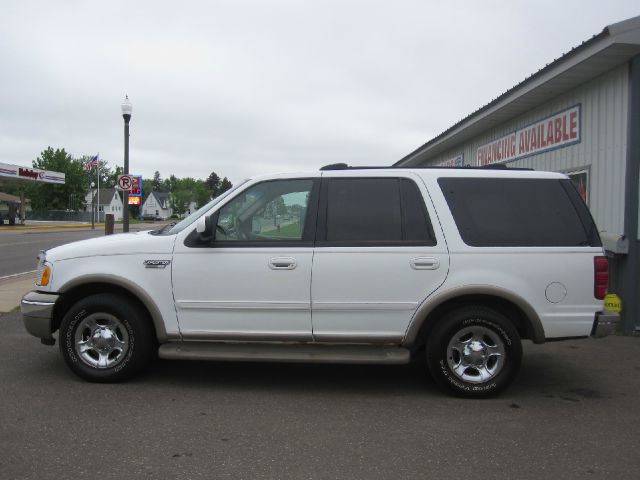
x=345, y=265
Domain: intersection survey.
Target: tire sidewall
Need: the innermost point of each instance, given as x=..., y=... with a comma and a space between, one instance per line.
x=448, y=328
x=130, y=317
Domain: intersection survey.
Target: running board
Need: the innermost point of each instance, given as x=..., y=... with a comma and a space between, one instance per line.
x=256, y=352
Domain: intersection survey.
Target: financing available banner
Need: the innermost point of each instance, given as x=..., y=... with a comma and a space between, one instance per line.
x=559, y=130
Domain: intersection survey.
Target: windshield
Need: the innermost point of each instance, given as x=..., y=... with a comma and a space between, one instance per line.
x=184, y=223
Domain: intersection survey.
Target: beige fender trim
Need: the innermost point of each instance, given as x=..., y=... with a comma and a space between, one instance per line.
x=132, y=288
x=431, y=303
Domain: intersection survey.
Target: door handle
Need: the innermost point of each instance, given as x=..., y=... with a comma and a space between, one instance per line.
x=425, y=263
x=282, y=263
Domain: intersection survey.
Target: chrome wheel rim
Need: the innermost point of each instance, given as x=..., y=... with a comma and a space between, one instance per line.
x=101, y=340
x=475, y=354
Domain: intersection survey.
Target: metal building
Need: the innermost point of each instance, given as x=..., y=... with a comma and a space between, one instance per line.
x=579, y=115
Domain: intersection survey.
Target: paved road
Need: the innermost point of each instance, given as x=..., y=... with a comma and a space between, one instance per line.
x=572, y=413
x=19, y=248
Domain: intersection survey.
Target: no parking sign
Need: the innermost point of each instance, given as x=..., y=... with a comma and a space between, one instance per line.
x=125, y=182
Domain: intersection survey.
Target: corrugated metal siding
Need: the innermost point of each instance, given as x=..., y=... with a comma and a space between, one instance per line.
x=602, y=149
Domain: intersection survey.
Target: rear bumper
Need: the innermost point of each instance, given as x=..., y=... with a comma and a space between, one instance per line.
x=37, y=313
x=605, y=323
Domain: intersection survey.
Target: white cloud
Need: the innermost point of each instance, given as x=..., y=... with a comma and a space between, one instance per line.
x=250, y=87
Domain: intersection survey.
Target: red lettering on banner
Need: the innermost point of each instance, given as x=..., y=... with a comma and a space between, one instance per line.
x=557, y=137
x=565, y=137
x=550, y=132
x=534, y=140
x=573, y=125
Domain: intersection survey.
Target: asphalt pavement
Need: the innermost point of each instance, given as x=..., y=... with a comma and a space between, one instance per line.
x=572, y=413
x=19, y=247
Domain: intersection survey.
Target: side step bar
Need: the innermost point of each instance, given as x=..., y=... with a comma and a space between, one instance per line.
x=256, y=352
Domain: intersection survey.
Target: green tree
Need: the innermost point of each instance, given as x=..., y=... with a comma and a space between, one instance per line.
x=179, y=201
x=58, y=197
x=213, y=184
x=225, y=185
x=201, y=194
x=112, y=177
x=169, y=184
x=156, y=183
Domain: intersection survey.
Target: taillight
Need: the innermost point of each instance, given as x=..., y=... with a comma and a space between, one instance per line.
x=600, y=276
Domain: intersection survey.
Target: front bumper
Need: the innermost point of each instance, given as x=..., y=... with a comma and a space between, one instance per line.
x=37, y=314
x=605, y=323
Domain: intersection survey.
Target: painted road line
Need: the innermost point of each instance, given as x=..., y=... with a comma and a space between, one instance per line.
x=18, y=274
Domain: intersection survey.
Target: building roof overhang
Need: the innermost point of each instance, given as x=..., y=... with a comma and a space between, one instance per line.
x=615, y=45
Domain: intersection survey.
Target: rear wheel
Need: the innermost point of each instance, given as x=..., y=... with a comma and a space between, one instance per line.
x=474, y=352
x=106, y=338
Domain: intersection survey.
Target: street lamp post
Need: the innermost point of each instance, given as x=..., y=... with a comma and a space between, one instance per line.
x=93, y=207
x=126, y=114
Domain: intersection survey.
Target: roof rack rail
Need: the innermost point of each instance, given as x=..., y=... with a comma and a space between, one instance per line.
x=493, y=166
x=335, y=166
x=344, y=166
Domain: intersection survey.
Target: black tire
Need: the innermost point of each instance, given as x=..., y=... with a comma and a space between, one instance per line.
x=474, y=352
x=106, y=338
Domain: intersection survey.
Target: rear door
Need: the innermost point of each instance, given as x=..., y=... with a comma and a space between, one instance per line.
x=379, y=253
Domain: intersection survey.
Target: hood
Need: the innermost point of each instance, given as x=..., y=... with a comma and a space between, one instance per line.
x=118, y=244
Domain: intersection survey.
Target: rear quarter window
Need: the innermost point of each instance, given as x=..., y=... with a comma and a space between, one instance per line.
x=517, y=212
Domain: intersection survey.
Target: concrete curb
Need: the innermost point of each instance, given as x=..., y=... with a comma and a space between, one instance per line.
x=13, y=288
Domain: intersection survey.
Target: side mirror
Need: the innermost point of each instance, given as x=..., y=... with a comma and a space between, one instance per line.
x=204, y=227
x=201, y=224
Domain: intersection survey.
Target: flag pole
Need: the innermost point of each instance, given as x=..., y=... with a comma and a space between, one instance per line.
x=93, y=197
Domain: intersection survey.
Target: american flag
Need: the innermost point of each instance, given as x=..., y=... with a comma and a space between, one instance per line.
x=91, y=164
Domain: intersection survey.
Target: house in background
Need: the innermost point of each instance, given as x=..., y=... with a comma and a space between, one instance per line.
x=108, y=201
x=157, y=206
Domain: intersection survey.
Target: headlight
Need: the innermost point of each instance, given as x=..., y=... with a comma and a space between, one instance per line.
x=44, y=270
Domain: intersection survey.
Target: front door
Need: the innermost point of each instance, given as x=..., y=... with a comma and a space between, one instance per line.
x=251, y=280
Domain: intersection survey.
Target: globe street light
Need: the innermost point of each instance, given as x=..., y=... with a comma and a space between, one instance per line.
x=126, y=114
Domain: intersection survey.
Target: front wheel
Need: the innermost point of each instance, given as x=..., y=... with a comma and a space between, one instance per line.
x=105, y=338
x=474, y=352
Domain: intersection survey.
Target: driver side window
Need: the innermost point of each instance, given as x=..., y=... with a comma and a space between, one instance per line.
x=270, y=211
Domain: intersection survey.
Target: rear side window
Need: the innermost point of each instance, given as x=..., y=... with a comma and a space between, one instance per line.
x=373, y=211
x=515, y=212
x=364, y=209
